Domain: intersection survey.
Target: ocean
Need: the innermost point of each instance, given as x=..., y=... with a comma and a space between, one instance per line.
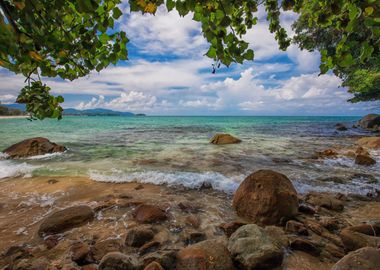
x=176, y=151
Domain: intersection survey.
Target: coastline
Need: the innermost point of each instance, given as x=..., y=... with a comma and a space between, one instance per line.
x=13, y=116
x=192, y=216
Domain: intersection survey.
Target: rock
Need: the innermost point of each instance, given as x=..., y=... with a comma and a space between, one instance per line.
x=370, y=142
x=149, y=247
x=252, y=248
x=154, y=266
x=293, y=226
x=231, y=227
x=224, y=139
x=265, y=197
x=166, y=258
x=306, y=209
x=33, y=147
x=79, y=252
x=101, y=248
x=90, y=267
x=136, y=237
x=305, y=245
x=146, y=213
x=189, y=207
x=52, y=181
x=361, y=151
x=340, y=127
x=139, y=186
x=299, y=260
x=205, y=255
x=364, y=235
x=70, y=266
x=278, y=236
x=324, y=200
x=364, y=160
x=118, y=261
x=330, y=223
x=370, y=122
x=364, y=259
x=51, y=241
x=328, y=153
x=191, y=237
x=66, y=219
x=193, y=221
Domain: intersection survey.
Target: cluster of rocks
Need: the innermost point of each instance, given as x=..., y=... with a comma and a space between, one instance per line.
x=275, y=224
x=370, y=122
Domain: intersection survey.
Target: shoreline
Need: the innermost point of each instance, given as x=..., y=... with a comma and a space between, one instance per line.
x=13, y=116
x=191, y=216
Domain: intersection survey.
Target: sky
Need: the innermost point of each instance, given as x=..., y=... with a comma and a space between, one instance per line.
x=168, y=74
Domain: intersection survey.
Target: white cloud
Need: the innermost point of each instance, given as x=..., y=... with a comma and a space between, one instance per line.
x=165, y=33
x=5, y=99
x=131, y=101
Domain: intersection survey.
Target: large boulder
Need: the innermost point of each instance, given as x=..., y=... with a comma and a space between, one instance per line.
x=265, y=197
x=205, y=255
x=370, y=122
x=370, y=142
x=224, y=139
x=252, y=248
x=367, y=258
x=118, y=261
x=33, y=147
x=66, y=219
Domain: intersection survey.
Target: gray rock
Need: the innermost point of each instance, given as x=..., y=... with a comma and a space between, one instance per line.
x=370, y=122
x=252, y=248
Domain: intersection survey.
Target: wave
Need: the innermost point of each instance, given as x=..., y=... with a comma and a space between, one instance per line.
x=46, y=156
x=12, y=169
x=227, y=184
x=191, y=180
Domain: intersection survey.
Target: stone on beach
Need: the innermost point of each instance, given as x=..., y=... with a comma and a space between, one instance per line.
x=33, y=147
x=66, y=219
x=266, y=197
x=136, y=237
x=252, y=248
x=146, y=213
x=224, y=139
x=205, y=255
x=101, y=248
x=370, y=142
x=364, y=235
x=370, y=122
x=367, y=258
x=118, y=261
x=324, y=200
x=364, y=160
x=340, y=127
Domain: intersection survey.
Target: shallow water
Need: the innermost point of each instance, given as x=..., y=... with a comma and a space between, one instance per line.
x=175, y=150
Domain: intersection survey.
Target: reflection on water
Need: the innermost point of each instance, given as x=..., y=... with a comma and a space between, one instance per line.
x=176, y=150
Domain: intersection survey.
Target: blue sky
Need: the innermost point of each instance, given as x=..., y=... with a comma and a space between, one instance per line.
x=167, y=74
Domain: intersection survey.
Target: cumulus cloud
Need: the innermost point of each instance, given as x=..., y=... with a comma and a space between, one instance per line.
x=131, y=101
x=5, y=99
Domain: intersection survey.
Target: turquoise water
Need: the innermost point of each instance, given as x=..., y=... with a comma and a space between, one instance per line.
x=175, y=150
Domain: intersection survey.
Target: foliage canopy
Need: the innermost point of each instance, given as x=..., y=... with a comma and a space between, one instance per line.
x=70, y=38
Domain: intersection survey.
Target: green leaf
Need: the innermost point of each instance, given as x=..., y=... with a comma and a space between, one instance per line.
x=249, y=55
x=116, y=13
x=211, y=52
x=170, y=4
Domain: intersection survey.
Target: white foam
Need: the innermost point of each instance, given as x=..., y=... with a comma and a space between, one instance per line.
x=46, y=156
x=191, y=180
x=3, y=155
x=13, y=169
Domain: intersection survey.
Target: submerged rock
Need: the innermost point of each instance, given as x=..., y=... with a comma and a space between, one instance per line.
x=230, y=227
x=252, y=248
x=154, y=266
x=224, y=139
x=340, y=127
x=370, y=142
x=328, y=153
x=364, y=259
x=118, y=261
x=66, y=219
x=33, y=147
x=205, y=255
x=146, y=213
x=370, y=122
x=136, y=237
x=101, y=248
x=265, y=197
x=364, y=160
